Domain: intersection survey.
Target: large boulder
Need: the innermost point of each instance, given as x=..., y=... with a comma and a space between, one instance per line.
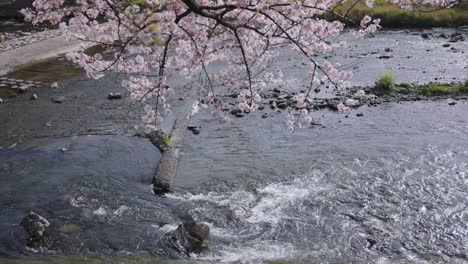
x=188, y=237
x=36, y=227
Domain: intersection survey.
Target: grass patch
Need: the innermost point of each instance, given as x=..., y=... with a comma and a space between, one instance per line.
x=167, y=140
x=393, y=17
x=385, y=83
x=436, y=89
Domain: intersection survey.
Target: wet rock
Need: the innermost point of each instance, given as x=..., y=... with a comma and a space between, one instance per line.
x=352, y=102
x=317, y=90
x=265, y=115
x=158, y=139
x=276, y=90
x=282, y=105
x=388, y=50
x=385, y=57
x=194, y=129
x=452, y=103
x=455, y=37
x=34, y=97
x=333, y=103
x=442, y=35
x=35, y=226
x=114, y=96
x=54, y=85
x=316, y=122
x=239, y=115
x=425, y=35
x=359, y=114
x=1, y=101
x=21, y=89
x=236, y=111
x=189, y=237
x=58, y=99
x=446, y=45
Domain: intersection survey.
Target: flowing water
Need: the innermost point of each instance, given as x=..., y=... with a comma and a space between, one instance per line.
x=388, y=187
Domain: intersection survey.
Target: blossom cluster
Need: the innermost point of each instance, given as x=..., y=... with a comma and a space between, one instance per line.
x=218, y=46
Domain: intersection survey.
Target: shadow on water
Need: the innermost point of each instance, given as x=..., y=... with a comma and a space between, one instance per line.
x=47, y=71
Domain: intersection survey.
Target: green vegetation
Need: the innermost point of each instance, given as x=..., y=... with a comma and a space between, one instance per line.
x=385, y=83
x=432, y=89
x=393, y=17
x=436, y=89
x=167, y=140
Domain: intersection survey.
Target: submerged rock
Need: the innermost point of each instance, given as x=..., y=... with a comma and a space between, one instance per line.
x=36, y=226
x=194, y=129
x=188, y=237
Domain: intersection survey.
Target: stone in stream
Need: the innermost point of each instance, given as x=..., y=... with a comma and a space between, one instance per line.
x=425, y=35
x=35, y=226
x=58, y=99
x=33, y=97
x=114, y=96
x=194, y=129
x=188, y=238
x=1, y=101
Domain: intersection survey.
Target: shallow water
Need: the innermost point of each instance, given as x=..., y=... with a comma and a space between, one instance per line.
x=388, y=187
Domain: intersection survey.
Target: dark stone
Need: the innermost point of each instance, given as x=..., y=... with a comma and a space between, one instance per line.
x=114, y=96
x=33, y=97
x=446, y=45
x=36, y=227
x=195, y=130
x=359, y=114
x=265, y=115
x=425, y=35
x=189, y=237
x=236, y=111
x=317, y=90
x=261, y=108
x=157, y=138
x=276, y=90
x=282, y=105
x=333, y=104
x=388, y=50
x=385, y=57
x=452, y=103
x=239, y=115
x=58, y=99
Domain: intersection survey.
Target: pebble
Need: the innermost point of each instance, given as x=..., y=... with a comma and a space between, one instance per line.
x=34, y=97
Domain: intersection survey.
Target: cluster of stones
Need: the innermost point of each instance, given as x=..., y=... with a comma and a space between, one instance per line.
x=9, y=41
x=279, y=100
x=19, y=85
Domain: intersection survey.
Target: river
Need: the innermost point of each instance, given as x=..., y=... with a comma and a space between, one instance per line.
x=390, y=186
